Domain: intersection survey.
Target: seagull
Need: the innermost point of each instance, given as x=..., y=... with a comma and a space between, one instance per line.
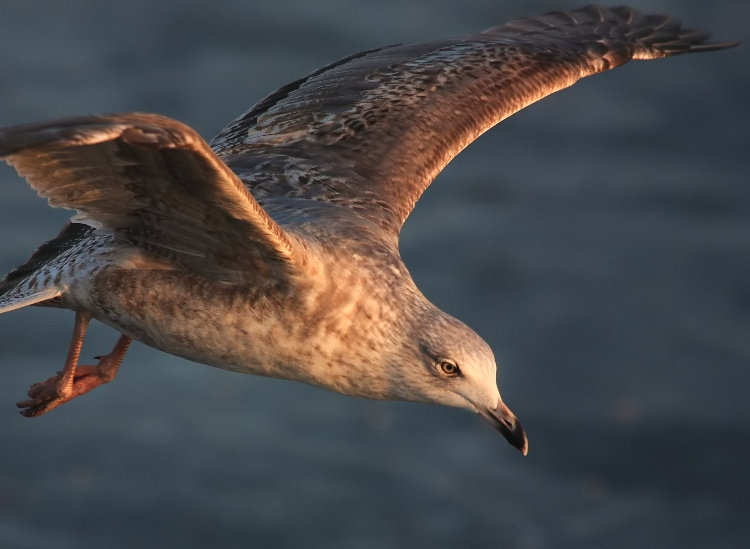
x=273, y=250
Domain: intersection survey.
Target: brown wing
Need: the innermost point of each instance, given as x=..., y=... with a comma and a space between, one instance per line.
x=156, y=184
x=372, y=131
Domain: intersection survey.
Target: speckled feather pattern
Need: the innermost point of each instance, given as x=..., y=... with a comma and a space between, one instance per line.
x=379, y=126
x=275, y=251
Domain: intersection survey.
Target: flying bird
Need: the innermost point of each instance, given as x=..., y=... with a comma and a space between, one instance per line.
x=273, y=250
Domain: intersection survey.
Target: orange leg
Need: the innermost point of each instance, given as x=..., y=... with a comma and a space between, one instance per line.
x=74, y=380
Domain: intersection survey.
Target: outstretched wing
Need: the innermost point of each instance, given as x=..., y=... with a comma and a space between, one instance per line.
x=372, y=131
x=157, y=185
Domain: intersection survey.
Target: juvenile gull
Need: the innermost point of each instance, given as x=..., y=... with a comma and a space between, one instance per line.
x=274, y=251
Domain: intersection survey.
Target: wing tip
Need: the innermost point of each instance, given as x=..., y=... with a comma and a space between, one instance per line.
x=627, y=32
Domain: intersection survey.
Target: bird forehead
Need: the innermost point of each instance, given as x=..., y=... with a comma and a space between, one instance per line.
x=464, y=345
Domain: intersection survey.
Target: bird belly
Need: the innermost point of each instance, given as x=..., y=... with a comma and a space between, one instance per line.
x=248, y=329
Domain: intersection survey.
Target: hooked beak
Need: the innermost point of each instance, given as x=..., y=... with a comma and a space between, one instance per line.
x=502, y=419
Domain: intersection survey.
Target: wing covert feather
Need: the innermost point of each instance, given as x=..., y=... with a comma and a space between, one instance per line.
x=156, y=184
x=371, y=132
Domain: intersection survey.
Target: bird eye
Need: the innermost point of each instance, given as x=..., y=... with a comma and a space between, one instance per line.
x=449, y=368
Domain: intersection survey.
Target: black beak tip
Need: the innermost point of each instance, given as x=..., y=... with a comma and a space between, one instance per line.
x=517, y=438
x=509, y=427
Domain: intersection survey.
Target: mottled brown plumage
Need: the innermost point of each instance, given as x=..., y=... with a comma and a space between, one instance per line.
x=275, y=251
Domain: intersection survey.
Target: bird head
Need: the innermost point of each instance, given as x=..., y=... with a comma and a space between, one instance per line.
x=457, y=368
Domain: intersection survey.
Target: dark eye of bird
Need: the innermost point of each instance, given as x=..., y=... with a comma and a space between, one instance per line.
x=449, y=368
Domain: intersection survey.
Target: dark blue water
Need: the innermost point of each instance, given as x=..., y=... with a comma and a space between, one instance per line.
x=599, y=241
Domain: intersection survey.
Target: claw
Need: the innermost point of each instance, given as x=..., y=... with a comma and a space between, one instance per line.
x=74, y=380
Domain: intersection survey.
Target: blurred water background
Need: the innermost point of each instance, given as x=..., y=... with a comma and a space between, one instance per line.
x=599, y=241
